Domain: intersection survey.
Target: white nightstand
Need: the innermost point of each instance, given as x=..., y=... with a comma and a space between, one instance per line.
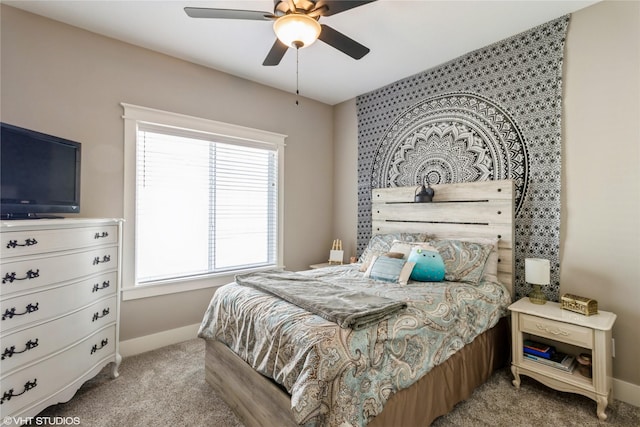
x=571, y=333
x=321, y=265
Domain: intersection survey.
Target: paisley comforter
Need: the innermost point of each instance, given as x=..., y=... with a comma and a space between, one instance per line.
x=343, y=377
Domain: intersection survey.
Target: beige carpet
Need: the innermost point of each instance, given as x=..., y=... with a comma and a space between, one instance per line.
x=166, y=387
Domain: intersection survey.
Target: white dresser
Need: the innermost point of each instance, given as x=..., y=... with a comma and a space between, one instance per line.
x=60, y=306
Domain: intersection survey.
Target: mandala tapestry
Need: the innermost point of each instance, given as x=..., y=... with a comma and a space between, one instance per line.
x=492, y=114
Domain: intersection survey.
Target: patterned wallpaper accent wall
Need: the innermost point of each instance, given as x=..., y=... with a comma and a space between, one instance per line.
x=491, y=114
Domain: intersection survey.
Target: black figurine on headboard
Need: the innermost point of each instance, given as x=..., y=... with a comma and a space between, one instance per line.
x=426, y=193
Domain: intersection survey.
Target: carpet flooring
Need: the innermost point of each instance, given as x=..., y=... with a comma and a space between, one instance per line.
x=166, y=387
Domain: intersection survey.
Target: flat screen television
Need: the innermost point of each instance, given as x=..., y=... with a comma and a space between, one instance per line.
x=39, y=174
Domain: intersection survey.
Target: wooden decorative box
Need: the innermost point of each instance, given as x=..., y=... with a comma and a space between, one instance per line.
x=582, y=305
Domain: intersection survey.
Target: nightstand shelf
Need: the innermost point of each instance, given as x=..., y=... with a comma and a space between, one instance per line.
x=569, y=332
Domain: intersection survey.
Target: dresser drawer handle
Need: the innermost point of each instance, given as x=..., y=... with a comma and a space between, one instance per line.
x=27, y=242
x=554, y=331
x=97, y=286
x=9, y=394
x=10, y=351
x=9, y=313
x=10, y=277
x=101, y=235
x=102, y=344
x=97, y=315
x=105, y=258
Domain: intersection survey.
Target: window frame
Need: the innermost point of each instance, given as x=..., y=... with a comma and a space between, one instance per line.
x=135, y=115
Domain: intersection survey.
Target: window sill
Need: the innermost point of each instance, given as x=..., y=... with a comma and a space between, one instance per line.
x=183, y=285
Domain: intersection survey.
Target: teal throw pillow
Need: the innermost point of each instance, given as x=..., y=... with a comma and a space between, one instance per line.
x=429, y=266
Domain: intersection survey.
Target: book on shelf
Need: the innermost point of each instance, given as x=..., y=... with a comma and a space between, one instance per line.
x=564, y=362
x=538, y=349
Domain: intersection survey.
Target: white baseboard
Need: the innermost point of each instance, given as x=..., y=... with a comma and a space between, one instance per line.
x=626, y=392
x=622, y=390
x=161, y=339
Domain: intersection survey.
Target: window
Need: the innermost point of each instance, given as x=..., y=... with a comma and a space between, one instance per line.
x=206, y=202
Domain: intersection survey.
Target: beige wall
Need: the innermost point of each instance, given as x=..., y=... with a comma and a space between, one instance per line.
x=601, y=187
x=600, y=231
x=68, y=82
x=345, y=184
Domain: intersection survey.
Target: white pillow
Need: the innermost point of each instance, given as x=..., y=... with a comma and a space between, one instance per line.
x=405, y=247
x=380, y=244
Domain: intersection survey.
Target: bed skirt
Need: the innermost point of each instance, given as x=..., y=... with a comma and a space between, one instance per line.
x=260, y=402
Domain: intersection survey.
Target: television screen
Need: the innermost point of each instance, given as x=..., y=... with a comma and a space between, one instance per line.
x=39, y=174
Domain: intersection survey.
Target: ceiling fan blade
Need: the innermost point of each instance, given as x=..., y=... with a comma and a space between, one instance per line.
x=341, y=42
x=331, y=7
x=275, y=54
x=206, y=12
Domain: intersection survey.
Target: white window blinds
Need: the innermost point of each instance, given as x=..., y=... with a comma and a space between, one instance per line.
x=203, y=205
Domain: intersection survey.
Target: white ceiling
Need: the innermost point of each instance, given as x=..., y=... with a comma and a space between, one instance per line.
x=405, y=37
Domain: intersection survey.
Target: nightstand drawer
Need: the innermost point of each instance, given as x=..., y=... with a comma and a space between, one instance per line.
x=565, y=332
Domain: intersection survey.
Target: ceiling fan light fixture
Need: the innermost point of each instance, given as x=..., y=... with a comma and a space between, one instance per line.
x=297, y=30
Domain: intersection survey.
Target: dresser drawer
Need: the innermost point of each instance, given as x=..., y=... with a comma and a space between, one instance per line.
x=22, y=243
x=23, y=310
x=27, y=386
x=33, y=343
x=32, y=272
x=565, y=332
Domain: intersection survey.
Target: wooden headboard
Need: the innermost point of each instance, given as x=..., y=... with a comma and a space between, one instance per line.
x=473, y=209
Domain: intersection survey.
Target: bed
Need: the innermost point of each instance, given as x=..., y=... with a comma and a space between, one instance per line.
x=302, y=369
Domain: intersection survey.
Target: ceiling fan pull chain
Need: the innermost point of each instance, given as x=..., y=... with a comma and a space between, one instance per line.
x=297, y=80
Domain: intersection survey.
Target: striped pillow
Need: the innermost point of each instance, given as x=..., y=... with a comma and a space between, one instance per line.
x=388, y=269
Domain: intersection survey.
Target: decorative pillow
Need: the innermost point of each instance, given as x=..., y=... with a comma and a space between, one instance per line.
x=389, y=270
x=429, y=266
x=490, y=272
x=381, y=243
x=405, y=248
x=398, y=255
x=464, y=261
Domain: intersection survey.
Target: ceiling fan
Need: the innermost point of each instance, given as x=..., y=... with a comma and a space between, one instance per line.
x=295, y=23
